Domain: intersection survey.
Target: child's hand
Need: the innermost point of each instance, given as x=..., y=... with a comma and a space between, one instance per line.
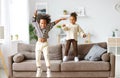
x=84, y=35
x=35, y=13
x=63, y=25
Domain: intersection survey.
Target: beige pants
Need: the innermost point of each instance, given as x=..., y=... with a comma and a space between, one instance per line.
x=42, y=47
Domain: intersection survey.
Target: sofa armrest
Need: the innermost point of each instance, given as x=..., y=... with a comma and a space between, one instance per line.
x=112, y=63
x=10, y=61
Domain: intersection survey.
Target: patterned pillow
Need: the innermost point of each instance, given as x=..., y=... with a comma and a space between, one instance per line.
x=95, y=53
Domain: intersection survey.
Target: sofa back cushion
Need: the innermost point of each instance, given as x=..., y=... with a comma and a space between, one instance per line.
x=83, y=49
x=55, y=52
x=28, y=50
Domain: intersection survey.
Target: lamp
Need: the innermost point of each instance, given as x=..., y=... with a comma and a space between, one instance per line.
x=1, y=32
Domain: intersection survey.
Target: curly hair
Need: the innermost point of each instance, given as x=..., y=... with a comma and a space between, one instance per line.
x=74, y=14
x=43, y=16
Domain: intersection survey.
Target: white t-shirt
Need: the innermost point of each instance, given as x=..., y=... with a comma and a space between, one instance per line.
x=72, y=31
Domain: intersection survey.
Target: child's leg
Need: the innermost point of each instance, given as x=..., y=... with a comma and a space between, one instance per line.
x=76, y=59
x=75, y=48
x=38, y=64
x=68, y=43
x=47, y=61
x=38, y=59
x=38, y=51
x=46, y=56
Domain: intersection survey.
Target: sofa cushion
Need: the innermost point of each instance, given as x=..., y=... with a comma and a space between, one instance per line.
x=55, y=51
x=83, y=49
x=22, y=47
x=106, y=57
x=18, y=58
x=95, y=53
x=85, y=66
x=29, y=55
x=30, y=65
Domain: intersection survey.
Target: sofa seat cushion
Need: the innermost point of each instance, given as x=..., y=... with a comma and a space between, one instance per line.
x=30, y=65
x=85, y=66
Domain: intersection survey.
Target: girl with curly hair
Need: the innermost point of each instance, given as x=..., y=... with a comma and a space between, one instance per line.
x=43, y=24
x=72, y=30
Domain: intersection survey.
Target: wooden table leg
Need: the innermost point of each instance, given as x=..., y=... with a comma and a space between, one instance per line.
x=3, y=63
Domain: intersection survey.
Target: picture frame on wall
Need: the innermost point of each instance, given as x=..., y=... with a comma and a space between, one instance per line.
x=81, y=11
x=117, y=6
x=41, y=8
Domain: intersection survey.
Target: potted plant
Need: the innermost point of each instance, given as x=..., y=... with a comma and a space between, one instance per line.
x=32, y=34
x=16, y=37
x=65, y=12
x=58, y=26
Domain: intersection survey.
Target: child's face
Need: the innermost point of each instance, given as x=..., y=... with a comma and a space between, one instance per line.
x=43, y=23
x=72, y=20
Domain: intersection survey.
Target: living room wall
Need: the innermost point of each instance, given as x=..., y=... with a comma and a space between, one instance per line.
x=100, y=20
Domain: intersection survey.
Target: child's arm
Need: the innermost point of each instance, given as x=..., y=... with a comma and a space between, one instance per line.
x=34, y=21
x=55, y=22
x=80, y=30
x=64, y=27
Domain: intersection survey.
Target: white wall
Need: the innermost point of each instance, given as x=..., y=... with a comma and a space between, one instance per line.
x=101, y=18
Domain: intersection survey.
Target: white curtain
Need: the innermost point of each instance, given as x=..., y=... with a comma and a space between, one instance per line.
x=19, y=19
x=14, y=18
x=5, y=21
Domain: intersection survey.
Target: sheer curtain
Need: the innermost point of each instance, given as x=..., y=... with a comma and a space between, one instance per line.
x=19, y=19
x=0, y=12
x=5, y=21
x=14, y=17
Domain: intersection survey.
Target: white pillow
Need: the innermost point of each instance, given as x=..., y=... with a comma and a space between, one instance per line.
x=95, y=53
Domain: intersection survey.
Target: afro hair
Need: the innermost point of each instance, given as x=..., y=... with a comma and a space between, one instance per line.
x=74, y=14
x=43, y=16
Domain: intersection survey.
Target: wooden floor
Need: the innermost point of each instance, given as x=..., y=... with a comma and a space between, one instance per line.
x=2, y=74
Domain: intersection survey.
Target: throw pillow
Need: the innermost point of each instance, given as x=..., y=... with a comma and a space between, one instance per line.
x=55, y=52
x=106, y=57
x=18, y=58
x=95, y=53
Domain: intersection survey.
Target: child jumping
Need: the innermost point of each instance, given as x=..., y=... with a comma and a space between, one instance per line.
x=72, y=31
x=43, y=24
